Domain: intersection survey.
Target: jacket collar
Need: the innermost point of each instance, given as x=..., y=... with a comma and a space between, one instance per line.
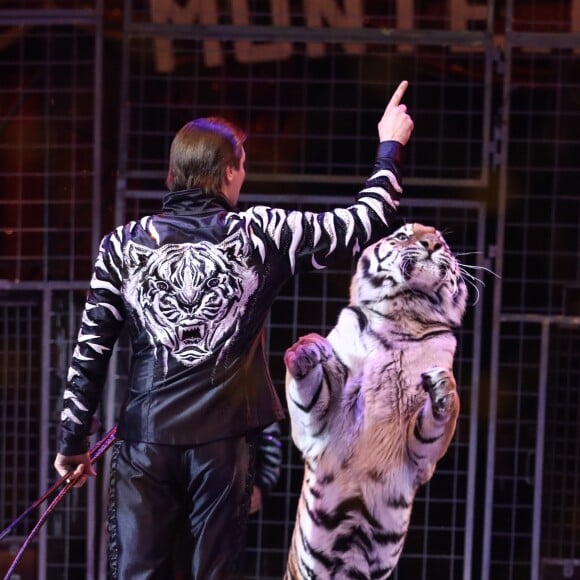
x=193, y=200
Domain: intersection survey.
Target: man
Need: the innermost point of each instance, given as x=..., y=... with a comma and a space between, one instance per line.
x=194, y=284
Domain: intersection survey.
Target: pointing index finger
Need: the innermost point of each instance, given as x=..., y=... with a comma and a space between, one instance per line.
x=398, y=95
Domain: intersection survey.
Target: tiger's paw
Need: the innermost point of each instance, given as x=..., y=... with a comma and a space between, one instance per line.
x=306, y=354
x=440, y=384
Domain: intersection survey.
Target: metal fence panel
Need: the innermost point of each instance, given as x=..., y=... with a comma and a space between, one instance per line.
x=537, y=259
x=49, y=142
x=308, y=95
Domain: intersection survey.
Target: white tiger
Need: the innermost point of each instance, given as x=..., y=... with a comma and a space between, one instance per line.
x=373, y=406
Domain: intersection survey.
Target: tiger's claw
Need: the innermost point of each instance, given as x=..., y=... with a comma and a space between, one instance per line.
x=306, y=354
x=440, y=384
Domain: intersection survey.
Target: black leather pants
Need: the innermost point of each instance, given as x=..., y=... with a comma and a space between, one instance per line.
x=155, y=488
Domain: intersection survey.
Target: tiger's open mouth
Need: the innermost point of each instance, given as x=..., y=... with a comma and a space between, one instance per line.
x=189, y=334
x=412, y=264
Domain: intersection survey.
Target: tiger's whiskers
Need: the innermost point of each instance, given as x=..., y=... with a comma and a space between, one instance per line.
x=473, y=280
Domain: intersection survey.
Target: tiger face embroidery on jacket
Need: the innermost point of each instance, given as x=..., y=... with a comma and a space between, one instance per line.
x=373, y=406
x=190, y=297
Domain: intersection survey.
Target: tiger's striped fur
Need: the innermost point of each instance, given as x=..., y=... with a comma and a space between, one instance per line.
x=373, y=406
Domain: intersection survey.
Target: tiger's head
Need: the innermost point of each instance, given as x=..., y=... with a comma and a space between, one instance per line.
x=189, y=297
x=412, y=273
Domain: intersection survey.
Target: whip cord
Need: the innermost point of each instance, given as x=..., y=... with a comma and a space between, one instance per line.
x=69, y=482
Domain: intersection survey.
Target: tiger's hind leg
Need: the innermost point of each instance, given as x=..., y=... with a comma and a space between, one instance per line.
x=434, y=425
x=311, y=364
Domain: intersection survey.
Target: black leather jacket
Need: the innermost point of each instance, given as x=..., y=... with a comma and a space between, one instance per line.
x=194, y=284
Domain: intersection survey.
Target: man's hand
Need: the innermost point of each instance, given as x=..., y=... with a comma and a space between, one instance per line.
x=396, y=124
x=256, y=500
x=78, y=467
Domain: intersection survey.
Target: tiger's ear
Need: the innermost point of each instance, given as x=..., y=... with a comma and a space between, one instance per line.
x=136, y=256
